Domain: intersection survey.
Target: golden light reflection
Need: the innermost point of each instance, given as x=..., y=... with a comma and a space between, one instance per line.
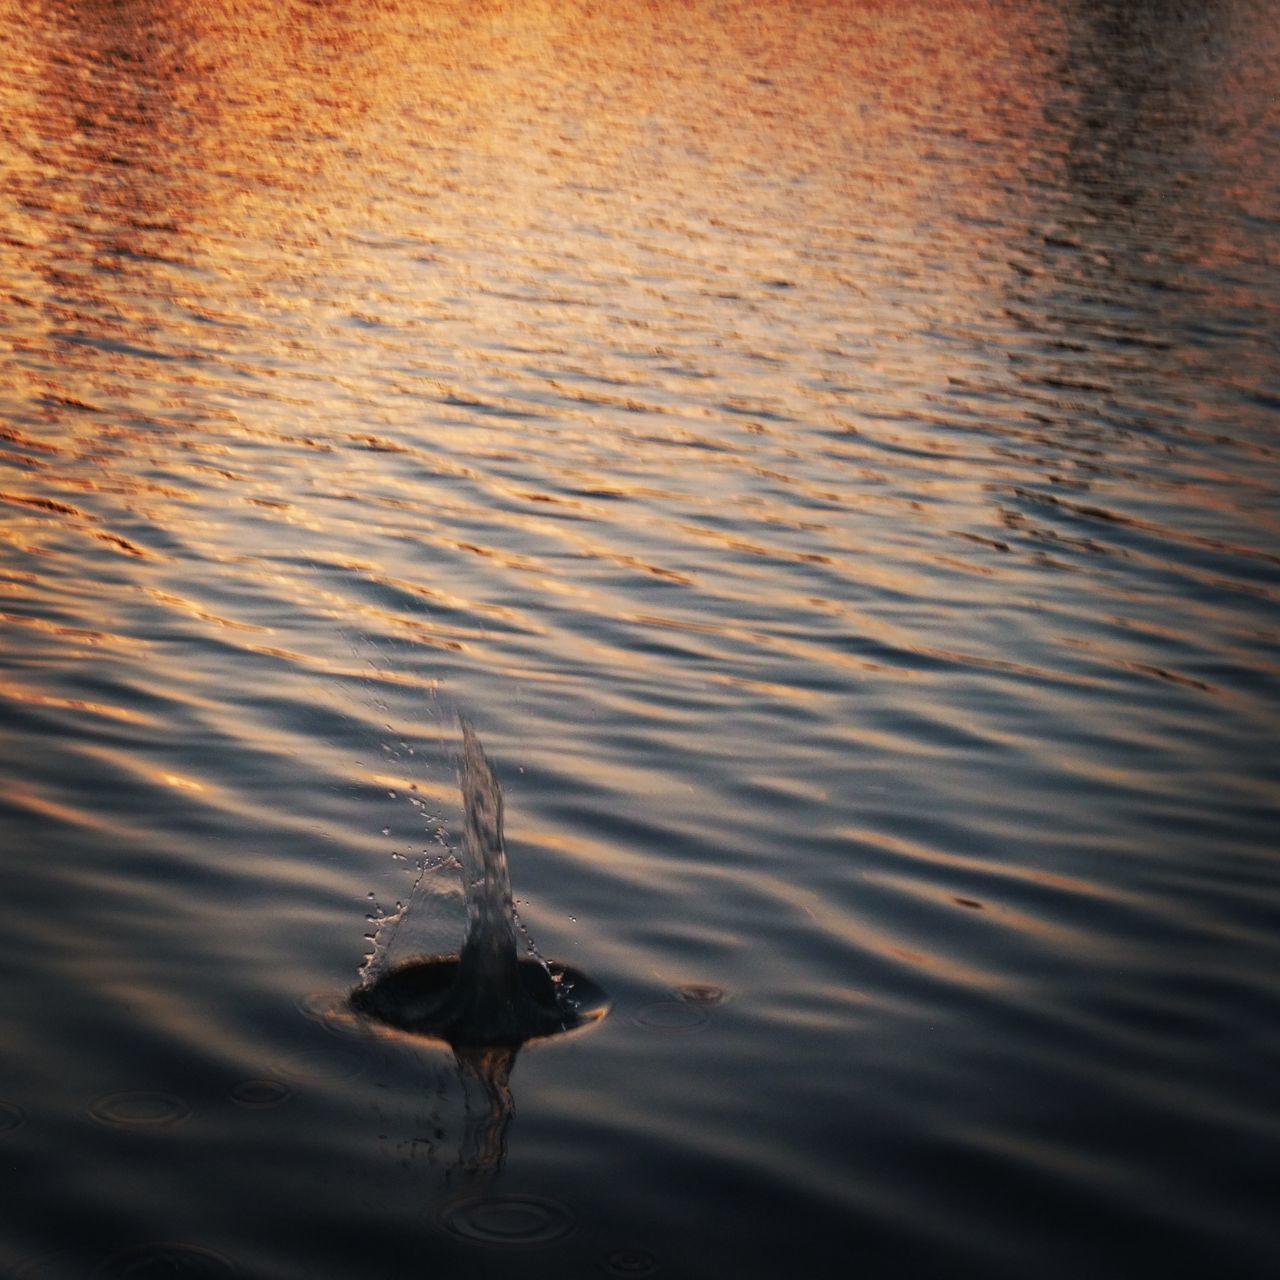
x=217, y=188
x=268, y=141
x=137, y=768
x=62, y=631
x=180, y=782
x=29, y=799
x=11, y=692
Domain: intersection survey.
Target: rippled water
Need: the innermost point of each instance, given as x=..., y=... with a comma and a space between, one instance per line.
x=828, y=448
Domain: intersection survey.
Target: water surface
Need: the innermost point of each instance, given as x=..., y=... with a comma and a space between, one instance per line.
x=828, y=448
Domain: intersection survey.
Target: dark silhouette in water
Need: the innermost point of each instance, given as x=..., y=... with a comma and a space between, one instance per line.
x=487, y=995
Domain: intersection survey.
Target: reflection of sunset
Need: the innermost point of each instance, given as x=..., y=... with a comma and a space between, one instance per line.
x=825, y=446
x=11, y=692
x=473, y=130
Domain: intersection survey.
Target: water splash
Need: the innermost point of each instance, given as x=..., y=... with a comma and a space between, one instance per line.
x=488, y=994
x=384, y=924
x=489, y=961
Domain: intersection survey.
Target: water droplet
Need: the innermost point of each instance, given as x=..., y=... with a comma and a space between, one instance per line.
x=510, y=1220
x=11, y=1117
x=140, y=1109
x=157, y=1261
x=672, y=1016
x=629, y=1262
x=700, y=993
x=258, y=1094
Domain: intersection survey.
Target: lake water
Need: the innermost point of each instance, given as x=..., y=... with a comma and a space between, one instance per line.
x=829, y=450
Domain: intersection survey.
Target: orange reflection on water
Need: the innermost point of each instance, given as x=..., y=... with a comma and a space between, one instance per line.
x=216, y=187
x=12, y=692
x=252, y=141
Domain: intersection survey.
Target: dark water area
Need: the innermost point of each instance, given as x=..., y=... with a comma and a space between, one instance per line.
x=829, y=449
